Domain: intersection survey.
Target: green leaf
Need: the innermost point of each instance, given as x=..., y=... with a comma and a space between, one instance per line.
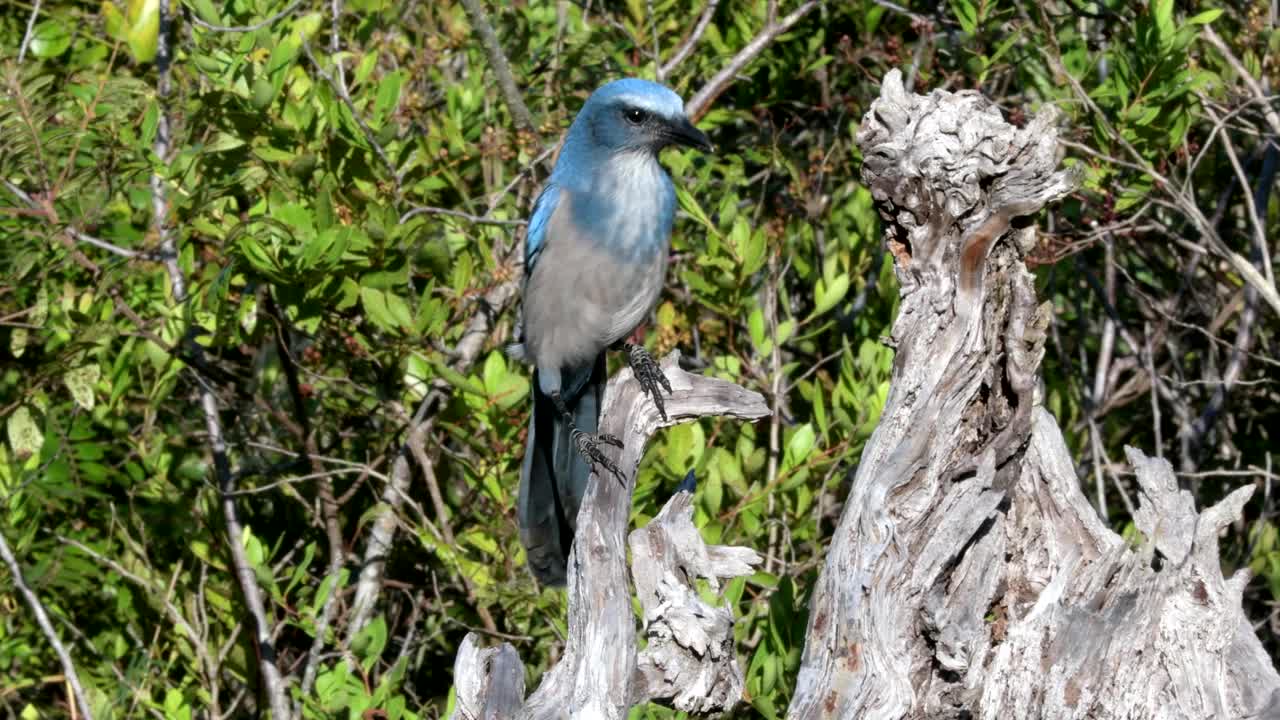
x=388, y=98
x=370, y=642
x=81, y=382
x=253, y=549
x=206, y=11
x=503, y=387
x=1162, y=11
x=755, y=325
x=827, y=295
x=799, y=446
x=1205, y=17
x=387, y=310
x=25, y=437
x=175, y=705
x=966, y=14
x=712, y=492
x=143, y=29
x=50, y=39
x=18, y=341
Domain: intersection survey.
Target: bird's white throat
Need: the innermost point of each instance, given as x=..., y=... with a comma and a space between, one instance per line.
x=641, y=195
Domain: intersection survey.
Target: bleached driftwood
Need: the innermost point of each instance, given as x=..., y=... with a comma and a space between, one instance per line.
x=969, y=577
x=599, y=674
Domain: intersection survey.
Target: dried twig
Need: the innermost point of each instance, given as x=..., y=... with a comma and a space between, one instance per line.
x=383, y=524
x=686, y=48
x=43, y=211
x=339, y=86
x=701, y=100
x=1264, y=101
x=26, y=37
x=1181, y=199
x=477, y=219
x=46, y=627
x=501, y=68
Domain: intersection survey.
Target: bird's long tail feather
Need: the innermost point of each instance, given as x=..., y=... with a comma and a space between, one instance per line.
x=553, y=479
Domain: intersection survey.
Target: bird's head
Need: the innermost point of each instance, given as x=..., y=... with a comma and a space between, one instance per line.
x=633, y=114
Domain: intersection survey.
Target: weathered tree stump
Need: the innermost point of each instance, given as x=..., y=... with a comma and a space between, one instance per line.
x=969, y=577
x=600, y=674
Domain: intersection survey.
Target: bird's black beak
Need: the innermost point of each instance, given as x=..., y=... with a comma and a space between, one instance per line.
x=682, y=132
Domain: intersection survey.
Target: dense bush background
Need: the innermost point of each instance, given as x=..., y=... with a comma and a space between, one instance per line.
x=294, y=228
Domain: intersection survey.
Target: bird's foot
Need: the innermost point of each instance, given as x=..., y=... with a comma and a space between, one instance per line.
x=588, y=445
x=649, y=374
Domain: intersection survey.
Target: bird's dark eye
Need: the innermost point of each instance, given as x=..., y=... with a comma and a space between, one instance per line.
x=635, y=116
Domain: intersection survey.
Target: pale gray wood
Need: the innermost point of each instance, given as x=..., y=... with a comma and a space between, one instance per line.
x=599, y=674
x=968, y=576
x=489, y=682
x=690, y=660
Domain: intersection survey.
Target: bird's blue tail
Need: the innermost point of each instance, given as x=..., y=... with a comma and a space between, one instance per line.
x=553, y=479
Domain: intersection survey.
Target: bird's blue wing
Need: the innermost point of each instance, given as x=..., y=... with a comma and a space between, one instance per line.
x=543, y=208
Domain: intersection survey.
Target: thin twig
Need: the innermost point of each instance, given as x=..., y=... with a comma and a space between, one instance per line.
x=46, y=627
x=657, y=46
x=775, y=400
x=686, y=48
x=171, y=610
x=427, y=466
x=1268, y=111
x=498, y=62
x=477, y=219
x=383, y=525
x=341, y=89
x=1181, y=199
x=701, y=100
x=241, y=28
x=75, y=234
x=31, y=26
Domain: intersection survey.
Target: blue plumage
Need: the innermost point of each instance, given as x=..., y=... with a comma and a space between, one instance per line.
x=595, y=261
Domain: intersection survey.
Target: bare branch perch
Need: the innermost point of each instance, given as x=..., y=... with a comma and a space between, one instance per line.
x=968, y=576
x=686, y=48
x=600, y=675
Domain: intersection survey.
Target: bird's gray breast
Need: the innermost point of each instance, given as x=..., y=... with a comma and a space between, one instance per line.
x=592, y=285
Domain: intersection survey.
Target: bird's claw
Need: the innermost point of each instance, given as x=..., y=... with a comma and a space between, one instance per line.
x=588, y=446
x=649, y=374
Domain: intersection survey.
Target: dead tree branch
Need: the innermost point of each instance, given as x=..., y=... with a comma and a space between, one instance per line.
x=498, y=63
x=600, y=674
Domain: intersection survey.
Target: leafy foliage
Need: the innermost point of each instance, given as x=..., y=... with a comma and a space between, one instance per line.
x=347, y=195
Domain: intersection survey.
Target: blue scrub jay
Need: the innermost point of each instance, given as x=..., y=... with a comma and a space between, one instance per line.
x=595, y=261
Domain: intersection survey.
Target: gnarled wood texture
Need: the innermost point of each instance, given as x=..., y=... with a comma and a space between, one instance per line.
x=599, y=674
x=969, y=577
